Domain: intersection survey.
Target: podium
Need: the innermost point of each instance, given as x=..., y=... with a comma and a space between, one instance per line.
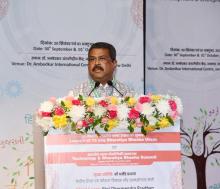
x=113, y=160
x=113, y=157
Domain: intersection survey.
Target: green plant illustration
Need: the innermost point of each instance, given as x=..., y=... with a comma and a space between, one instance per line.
x=21, y=170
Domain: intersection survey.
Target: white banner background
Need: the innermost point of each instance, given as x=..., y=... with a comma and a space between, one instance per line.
x=182, y=57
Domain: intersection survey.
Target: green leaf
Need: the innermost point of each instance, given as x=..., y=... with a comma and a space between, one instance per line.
x=97, y=121
x=130, y=128
x=15, y=173
x=170, y=120
x=73, y=126
x=45, y=133
x=87, y=128
x=5, y=168
x=12, y=180
x=217, y=162
x=31, y=178
x=79, y=132
x=127, y=98
x=80, y=98
x=106, y=128
x=62, y=104
x=25, y=183
x=195, y=118
x=144, y=120
x=143, y=131
x=97, y=133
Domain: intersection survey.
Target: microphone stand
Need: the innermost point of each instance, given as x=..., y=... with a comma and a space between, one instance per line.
x=97, y=83
x=110, y=83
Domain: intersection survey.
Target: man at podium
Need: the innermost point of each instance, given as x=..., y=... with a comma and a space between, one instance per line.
x=102, y=64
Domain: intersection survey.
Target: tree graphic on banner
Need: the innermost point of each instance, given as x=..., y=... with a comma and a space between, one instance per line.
x=21, y=169
x=202, y=142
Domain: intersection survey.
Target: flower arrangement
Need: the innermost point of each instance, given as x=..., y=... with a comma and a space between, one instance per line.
x=83, y=114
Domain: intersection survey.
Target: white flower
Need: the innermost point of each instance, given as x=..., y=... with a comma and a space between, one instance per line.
x=147, y=109
x=122, y=111
x=60, y=99
x=167, y=96
x=163, y=107
x=46, y=106
x=76, y=113
x=99, y=111
x=179, y=104
x=123, y=125
x=45, y=123
x=152, y=120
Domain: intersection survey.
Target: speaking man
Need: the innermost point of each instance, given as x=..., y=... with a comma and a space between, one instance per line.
x=102, y=64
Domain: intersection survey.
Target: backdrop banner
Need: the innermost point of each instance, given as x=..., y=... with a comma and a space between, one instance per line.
x=183, y=57
x=43, y=53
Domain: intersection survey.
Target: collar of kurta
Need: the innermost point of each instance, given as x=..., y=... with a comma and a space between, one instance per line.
x=97, y=92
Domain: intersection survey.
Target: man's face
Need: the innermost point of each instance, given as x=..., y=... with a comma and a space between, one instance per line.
x=100, y=65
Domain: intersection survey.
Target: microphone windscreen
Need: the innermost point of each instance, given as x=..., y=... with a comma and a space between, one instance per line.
x=97, y=83
x=110, y=83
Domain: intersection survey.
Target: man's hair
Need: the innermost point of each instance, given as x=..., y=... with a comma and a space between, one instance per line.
x=104, y=45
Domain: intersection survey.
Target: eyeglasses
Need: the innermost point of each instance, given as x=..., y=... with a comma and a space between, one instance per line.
x=100, y=59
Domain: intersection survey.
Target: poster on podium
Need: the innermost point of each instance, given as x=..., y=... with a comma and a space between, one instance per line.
x=114, y=160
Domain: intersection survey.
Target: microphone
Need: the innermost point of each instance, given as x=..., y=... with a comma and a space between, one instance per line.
x=97, y=83
x=111, y=84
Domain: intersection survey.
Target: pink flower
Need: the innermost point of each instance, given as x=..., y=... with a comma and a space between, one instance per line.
x=103, y=103
x=81, y=124
x=173, y=105
x=138, y=122
x=139, y=107
x=133, y=114
x=112, y=114
x=52, y=99
x=84, y=124
x=112, y=108
x=69, y=98
x=91, y=120
x=174, y=115
x=45, y=114
x=104, y=120
x=144, y=99
x=90, y=109
x=76, y=102
x=59, y=111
